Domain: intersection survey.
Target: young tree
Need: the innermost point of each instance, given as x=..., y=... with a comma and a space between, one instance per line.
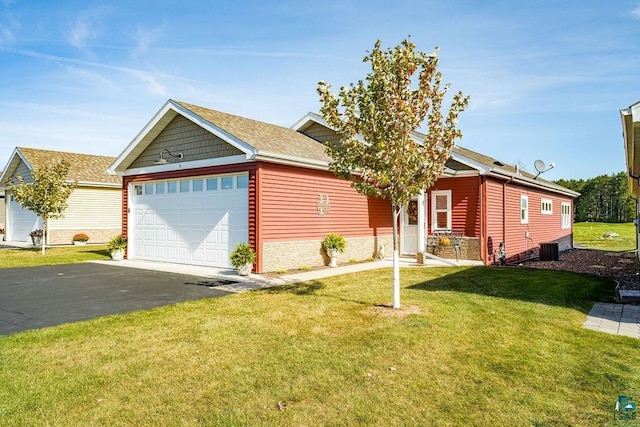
x=46, y=195
x=376, y=120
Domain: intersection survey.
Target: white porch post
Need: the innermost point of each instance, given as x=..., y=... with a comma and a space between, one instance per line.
x=422, y=222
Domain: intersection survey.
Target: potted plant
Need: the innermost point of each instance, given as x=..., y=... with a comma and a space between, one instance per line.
x=333, y=244
x=116, y=247
x=242, y=258
x=80, y=239
x=36, y=237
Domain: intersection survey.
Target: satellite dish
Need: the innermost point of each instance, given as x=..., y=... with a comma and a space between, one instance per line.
x=541, y=167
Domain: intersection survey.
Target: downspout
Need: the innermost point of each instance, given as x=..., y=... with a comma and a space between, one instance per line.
x=484, y=256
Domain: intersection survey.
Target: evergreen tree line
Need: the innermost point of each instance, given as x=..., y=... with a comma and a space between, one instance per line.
x=602, y=199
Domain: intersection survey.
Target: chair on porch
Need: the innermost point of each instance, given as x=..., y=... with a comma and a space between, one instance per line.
x=456, y=242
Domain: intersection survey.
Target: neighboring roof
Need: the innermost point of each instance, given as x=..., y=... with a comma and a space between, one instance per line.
x=631, y=138
x=86, y=169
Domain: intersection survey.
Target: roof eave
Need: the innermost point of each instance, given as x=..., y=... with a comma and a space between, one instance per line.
x=159, y=121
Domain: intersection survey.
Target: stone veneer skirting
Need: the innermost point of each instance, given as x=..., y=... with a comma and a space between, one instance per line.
x=299, y=254
x=65, y=237
x=470, y=249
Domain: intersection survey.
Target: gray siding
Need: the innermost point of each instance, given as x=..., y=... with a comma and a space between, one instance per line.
x=194, y=142
x=321, y=134
x=23, y=171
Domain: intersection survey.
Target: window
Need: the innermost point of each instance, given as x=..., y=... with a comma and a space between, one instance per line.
x=524, y=209
x=212, y=184
x=546, y=207
x=172, y=187
x=441, y=210
x=243, y=181
x=566, y=215
x=148, y=189
x=227, y=182
x=159, y=187
x=197, y=185
x=137, y=190
x=184, y=186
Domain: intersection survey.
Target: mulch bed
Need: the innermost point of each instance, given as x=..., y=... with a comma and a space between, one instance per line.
x=623, y=267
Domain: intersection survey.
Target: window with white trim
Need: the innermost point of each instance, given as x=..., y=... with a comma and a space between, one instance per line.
x=524, y=209
x=546, y=207
x=441, y=210
x=565, y=209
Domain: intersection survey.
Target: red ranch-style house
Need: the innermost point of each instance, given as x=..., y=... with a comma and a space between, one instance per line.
x=196, y=182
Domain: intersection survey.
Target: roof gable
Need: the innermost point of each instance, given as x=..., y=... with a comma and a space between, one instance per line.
x=86, y=169
x=255, y=139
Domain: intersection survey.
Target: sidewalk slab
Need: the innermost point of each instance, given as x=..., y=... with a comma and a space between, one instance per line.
x=616, y=319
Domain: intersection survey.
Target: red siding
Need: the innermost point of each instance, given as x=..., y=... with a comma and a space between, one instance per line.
x=465, y=203
x=495, y=224
x=540, y=228
x=289, y=206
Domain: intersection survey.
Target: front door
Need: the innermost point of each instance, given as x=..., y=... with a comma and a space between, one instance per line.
x=409, y=223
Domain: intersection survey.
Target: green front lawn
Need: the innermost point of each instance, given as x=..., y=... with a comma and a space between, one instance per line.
x=32, y=257
x=594, y=235
x=472, y=346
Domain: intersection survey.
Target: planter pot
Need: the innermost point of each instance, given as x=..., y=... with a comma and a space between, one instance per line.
x=79, y=243
x=37, y=241
x=333, y=254
x=245, y=270
x=117, y=255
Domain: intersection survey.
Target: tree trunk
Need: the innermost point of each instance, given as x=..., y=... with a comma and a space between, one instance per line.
x=44, y=232
x=396, y=258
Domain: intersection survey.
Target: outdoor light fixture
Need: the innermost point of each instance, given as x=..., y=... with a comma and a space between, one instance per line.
x=163, y=160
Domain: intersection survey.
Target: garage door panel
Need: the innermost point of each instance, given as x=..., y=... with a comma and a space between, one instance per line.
x=189, y=226
x=20, y=222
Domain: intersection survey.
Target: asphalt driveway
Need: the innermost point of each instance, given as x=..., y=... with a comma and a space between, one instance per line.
x=36, y=297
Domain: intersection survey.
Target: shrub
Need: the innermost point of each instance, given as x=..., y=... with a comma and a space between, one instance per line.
x=80, y=237
x=118, y=243
x=242, y=255
x=334, y=241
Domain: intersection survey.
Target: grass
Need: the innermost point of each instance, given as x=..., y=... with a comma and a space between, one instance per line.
x=473, y=346
x=32, y=257
x=592, y=235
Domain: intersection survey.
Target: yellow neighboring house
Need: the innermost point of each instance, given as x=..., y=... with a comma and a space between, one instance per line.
x=94, y=207
x=631, y=135
x=2, y=212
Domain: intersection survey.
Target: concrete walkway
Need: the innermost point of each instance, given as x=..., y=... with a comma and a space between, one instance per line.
x=257, y=281
x=617, y=319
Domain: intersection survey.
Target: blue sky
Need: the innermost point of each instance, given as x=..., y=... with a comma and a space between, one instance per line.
x=546, y=78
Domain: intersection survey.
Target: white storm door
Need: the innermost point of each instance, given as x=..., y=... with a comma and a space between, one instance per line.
x=410, y=228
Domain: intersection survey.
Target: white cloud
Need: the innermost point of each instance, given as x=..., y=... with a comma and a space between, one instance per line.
x=153, y=86
x=636, y=12
x=6, y=35
x=96, y=78
x=145, y=37
x=86, y=28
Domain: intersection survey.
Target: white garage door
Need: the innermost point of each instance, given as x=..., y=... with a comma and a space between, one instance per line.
x=20, y=222
x=192, y=221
